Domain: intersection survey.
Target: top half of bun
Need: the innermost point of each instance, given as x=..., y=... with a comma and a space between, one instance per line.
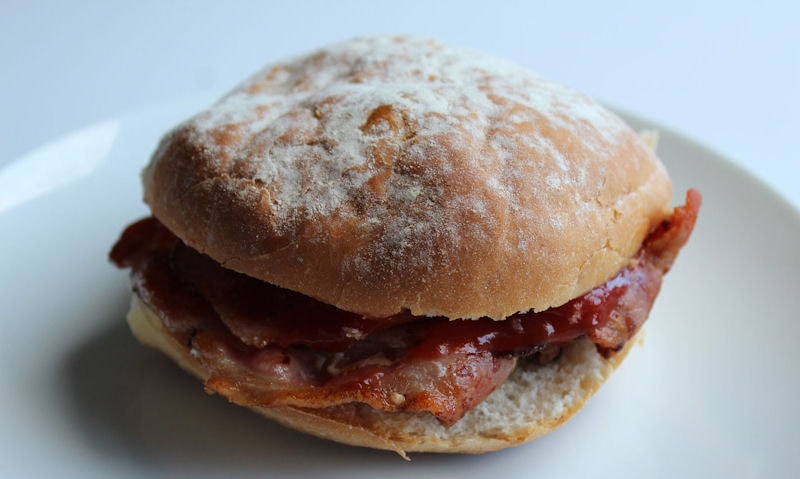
x=391, y=173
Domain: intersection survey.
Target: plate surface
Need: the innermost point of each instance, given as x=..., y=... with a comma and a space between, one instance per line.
x=712, y=393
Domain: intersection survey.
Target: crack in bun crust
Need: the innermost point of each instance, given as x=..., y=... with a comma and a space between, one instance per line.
x=392, y=173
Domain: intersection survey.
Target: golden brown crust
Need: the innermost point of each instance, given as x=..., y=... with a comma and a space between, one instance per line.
x=391, y=173
x=532, y=402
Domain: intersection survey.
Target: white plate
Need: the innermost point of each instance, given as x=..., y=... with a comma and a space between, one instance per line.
x=714, y=392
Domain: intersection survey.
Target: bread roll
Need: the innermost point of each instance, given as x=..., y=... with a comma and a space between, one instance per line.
x=397, y=176
x=389, y=173
x=533, y=401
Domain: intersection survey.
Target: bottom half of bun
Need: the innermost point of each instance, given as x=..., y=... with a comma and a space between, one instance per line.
x=533, y=401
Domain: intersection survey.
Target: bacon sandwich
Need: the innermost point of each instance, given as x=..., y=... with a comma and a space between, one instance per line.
x=397, y=244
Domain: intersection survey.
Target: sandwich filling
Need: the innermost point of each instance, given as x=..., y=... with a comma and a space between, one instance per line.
x=262, y=345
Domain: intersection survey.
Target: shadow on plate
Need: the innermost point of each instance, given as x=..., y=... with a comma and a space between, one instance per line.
x=132, y=404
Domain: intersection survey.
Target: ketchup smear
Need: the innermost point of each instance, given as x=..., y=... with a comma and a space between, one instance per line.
x=259, y=313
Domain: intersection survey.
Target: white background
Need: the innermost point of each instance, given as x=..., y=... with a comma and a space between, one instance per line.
x=726, y=74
